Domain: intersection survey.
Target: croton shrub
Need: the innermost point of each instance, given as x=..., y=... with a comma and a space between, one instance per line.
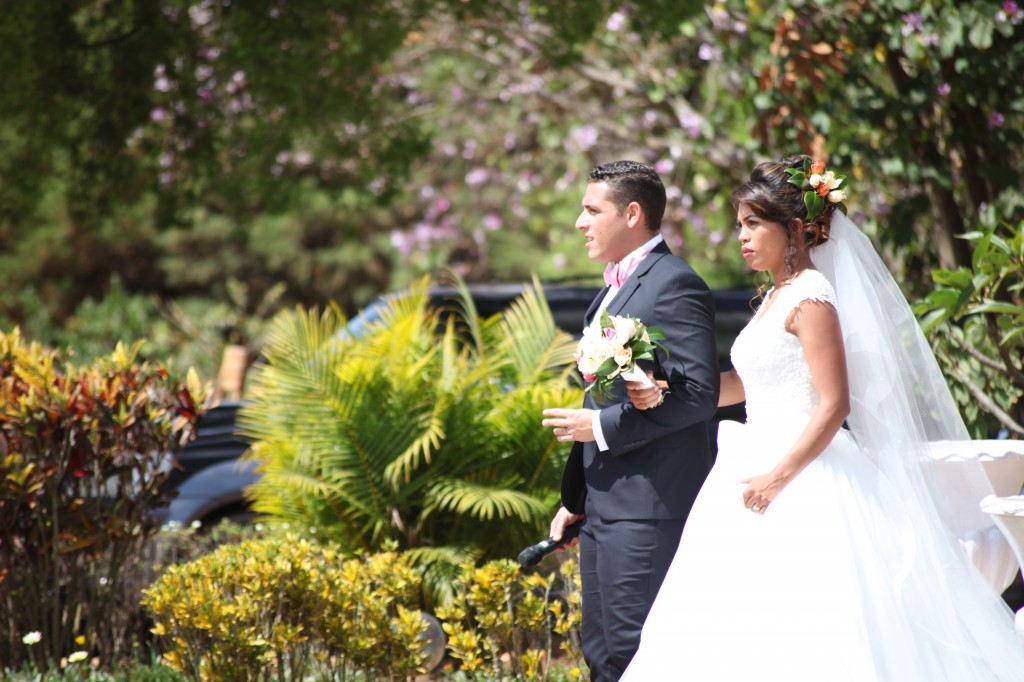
x=83, y=454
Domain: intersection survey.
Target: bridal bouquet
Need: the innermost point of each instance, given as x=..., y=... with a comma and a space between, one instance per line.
x=612, y=349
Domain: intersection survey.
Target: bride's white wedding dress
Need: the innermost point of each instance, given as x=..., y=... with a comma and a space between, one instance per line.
x=831, y=583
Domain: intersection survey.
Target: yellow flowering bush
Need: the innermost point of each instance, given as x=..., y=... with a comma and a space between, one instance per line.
x=504, y=622
x=279, y=608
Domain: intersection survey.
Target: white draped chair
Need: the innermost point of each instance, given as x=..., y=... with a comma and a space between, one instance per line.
x=1008, y=514
x=985, y=540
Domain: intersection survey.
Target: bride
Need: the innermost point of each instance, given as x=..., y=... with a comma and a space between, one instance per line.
x=819, y=547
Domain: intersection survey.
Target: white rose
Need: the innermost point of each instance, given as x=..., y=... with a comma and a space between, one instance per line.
x=587, y=365
x=814, y=180
x=623, y=357
x=625, y=328
x=829, y=178
x=837, y=195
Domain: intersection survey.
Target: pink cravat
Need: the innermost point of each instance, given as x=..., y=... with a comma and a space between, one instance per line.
x=615, y=274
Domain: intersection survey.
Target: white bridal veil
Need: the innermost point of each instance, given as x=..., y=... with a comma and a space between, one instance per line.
x=900, y=406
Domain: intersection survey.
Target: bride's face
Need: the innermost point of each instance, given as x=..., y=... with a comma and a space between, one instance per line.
x=763, y=242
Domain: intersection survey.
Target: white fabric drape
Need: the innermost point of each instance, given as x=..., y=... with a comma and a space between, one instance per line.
x=900, y=407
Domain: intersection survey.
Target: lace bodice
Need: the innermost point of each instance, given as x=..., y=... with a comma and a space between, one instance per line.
x=770, y=361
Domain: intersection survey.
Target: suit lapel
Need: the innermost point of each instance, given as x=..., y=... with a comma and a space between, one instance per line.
x=630, y=286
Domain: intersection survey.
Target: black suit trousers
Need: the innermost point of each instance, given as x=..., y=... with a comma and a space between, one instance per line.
x=622, y=566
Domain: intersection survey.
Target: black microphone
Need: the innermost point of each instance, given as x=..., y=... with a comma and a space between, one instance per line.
x=532, y=555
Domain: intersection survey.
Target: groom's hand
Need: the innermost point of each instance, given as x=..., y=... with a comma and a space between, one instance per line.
x=563, y=518
x=570, y=425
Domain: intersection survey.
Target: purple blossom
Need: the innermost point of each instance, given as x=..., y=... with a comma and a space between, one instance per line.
x=709, y=53
x=943, y=90
x=719, y=17
x=699, y=225
x=456, y=93
x=664, y=166
x=912, y=22
x=616, y=21
x=477, y=177
x=200, y=16
x=559, y=260
x=995, y=120
x=401, y=242
x=1011, y=10
x=442, y=205
x=492, y=222
x=158, y=115
x=585, y=137
x=691, y=120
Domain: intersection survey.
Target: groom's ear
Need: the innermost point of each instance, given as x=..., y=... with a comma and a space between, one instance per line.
x=635, y=217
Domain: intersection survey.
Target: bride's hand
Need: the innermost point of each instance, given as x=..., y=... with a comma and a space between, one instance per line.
x=646, y=396
x=760, y=492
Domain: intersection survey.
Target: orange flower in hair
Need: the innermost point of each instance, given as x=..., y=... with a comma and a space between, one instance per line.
x=820, y=185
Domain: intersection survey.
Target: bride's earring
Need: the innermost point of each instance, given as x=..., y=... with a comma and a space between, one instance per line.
x=790, y=252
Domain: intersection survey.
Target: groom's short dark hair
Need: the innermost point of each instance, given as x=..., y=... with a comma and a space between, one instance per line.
x=630, y=181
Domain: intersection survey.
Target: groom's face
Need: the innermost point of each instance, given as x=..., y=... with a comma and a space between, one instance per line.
x=606, y=228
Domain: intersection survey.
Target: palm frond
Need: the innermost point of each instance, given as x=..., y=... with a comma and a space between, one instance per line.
x=440, y=566
x=485, y=502
x=468, y=313
x=536, y=346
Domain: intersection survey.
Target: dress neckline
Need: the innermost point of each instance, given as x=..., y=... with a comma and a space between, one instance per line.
x=763, y=309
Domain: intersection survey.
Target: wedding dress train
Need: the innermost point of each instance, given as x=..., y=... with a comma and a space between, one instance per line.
x=837, y=581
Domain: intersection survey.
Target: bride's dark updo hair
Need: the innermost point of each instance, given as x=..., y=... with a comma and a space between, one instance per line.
x=772, y=197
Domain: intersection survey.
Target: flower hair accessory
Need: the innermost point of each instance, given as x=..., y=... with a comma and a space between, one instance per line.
x=820, y=185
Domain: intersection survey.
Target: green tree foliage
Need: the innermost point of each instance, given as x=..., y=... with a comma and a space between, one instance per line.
x=922, y=102
x=427, y=438
x=975, y=317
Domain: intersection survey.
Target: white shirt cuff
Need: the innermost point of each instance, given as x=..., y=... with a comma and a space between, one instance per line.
x=595, y=422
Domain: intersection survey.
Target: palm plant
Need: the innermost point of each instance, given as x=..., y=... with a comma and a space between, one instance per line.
x=424, y=431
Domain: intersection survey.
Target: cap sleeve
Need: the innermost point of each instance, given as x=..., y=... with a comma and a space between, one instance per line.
x=811, y=285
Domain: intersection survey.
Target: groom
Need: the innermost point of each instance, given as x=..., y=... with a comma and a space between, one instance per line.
x=634, y=474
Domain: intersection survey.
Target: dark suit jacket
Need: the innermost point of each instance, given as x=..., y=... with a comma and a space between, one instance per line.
x=657, y=458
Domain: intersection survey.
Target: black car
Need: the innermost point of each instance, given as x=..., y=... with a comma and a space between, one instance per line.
x=211, y=477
